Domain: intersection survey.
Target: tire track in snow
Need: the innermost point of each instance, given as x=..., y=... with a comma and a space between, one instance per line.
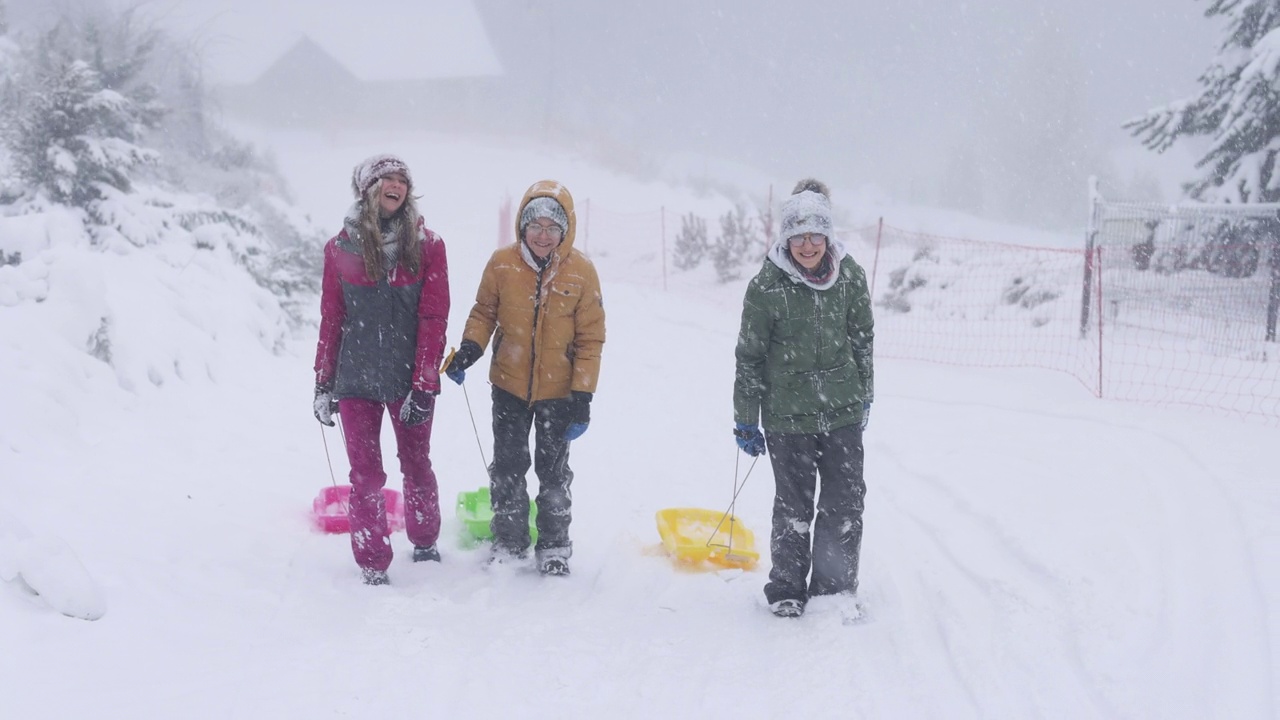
x=1030, y=590
x=1195, y=640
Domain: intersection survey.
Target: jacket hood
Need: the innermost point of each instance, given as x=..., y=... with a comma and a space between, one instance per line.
x=557, y=192
x=780, y=255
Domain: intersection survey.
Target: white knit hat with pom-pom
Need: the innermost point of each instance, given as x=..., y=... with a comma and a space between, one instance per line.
x=808, y=210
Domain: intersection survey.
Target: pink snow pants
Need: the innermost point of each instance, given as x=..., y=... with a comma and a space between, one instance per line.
x=370, y=535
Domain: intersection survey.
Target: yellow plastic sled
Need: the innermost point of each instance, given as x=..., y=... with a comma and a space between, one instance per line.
x=694, y=537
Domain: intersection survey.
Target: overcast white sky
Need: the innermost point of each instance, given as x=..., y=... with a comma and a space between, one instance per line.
x=846, y=89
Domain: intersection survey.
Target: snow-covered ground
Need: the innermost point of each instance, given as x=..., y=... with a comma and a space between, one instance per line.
x=1030, y=551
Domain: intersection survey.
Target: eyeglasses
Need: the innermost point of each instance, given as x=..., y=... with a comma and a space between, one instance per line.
x=552, y=231
x=812, y=238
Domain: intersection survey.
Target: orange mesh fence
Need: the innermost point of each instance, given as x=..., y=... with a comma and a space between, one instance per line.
x=981, y=304
x=625, y=246
x=1186, y=302
x=1111, y=317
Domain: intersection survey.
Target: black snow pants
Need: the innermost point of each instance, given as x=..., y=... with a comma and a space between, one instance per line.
x=512, y=418
x=798, y=461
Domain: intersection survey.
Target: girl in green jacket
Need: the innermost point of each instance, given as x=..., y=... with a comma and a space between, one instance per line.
x=804, y=372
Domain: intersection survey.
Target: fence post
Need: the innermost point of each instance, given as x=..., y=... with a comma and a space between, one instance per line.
x=664, y=248
x=875, y=261
x=768, y=219
x=1090, y=235
x=504, y=221
x=1100, y=314
x=1273, y=297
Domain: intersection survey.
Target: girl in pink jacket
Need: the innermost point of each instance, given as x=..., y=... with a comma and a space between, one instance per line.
x=384, y=305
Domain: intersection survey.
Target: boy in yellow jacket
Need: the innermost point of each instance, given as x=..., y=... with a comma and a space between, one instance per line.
x=539, y=300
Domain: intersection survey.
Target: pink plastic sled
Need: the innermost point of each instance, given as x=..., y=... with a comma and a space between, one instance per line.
x=330, y=511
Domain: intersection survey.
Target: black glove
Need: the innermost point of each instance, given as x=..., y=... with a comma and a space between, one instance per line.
x=417, y=408
x=579, y=415
x=324, y=405
x=466, y=356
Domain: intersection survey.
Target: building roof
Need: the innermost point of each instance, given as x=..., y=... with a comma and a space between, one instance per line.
x=306, y=64
x=391, y=40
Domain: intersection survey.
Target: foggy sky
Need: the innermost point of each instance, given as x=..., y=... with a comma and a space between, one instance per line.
x=851, y=90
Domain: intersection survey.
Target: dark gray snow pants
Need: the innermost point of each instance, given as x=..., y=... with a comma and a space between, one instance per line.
x=512, y=418
x=798, y=461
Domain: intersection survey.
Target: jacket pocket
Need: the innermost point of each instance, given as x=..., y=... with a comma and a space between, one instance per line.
x=562, y=300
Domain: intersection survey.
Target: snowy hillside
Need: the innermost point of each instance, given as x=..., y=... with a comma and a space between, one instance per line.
x=1030, y=551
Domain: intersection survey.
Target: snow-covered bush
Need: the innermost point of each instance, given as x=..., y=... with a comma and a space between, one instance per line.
x=741, y=243
x=691, y=243
x=976, y=282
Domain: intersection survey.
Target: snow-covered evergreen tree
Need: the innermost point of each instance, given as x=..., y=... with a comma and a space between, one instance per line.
x=80, y=104
x=1238, y=107
x=77, y=127
x=76, y=136
x=8, y=92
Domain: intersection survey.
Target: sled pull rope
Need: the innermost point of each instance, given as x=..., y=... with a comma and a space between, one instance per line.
x=475, y=430
x=333, y=479
x=327, y=458
x=480, y=446
x=730, y=514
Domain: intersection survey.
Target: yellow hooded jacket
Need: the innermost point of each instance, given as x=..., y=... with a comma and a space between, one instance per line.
x=547, y=326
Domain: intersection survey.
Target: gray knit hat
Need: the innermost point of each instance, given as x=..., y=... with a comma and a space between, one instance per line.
x=544, y=207
x=808, y=210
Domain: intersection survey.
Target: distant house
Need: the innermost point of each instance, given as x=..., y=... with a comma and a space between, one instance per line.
x=307, y=87
x=307, y=71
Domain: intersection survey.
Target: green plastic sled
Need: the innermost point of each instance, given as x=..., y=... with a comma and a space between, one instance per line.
x=474, y=512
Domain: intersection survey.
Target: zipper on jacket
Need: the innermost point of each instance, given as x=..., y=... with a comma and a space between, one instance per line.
x=533, y=336
x=819, y=382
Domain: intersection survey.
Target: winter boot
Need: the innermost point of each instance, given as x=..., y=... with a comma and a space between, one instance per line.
x=557, y=566
x=554, y=560
x=787, y=608
x=499, y=556
x=425, y=554
x=374, y=577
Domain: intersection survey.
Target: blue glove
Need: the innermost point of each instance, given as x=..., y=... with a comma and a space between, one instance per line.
x=866, y=414
x=749, y=438
x=465, y=357
x=579, y=415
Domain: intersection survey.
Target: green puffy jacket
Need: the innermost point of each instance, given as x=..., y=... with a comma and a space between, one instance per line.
x=804, y=356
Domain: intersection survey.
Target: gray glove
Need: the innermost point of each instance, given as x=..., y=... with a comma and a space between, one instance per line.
x=324, y=405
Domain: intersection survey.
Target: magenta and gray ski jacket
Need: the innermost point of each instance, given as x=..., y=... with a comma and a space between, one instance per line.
x=381, y=337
